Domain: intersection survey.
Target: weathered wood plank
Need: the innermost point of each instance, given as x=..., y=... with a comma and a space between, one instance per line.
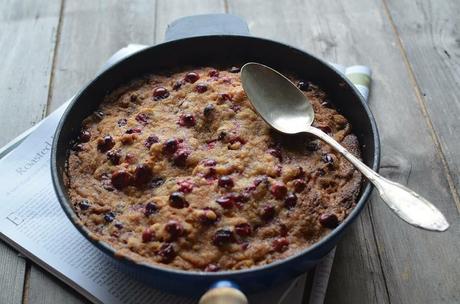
x=12, y=269
x=91, y=32
x=46, y=289
x=430, y=34
x=27, y=36
x=359, y=32
x=170, y=10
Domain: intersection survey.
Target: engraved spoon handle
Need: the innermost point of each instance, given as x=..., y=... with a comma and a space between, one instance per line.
x=407, y=204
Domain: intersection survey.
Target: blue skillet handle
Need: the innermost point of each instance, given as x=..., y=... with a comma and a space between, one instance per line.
x=204, y=25
x=224, y=292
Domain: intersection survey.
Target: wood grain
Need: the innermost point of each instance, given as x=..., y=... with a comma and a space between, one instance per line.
x=27, y=36
x=429, y=32
x=91, y=32
x=400, y=270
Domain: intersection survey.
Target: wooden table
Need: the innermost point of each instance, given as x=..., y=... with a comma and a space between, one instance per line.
x=49, y=49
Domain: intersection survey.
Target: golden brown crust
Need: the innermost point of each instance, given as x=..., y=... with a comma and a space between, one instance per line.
x=225, y=193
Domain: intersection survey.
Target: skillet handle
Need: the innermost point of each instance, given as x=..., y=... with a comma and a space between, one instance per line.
x=224, y=292
x=206, y=25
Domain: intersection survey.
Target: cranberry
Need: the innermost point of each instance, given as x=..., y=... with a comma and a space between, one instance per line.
x=276, y=153
x=278, y=190
x=222, y=135
x=225, y=202
x=118, y=225
x=208, y=110
x=105, y=144
x=222, y=237
x=152, y=139
x=160, y=93
x=133, y=130
x=235, y=139
x=114, y=156
x=187, y=120
x=180, y=158
x=109, y=217
x=312, y=146
x=121, y=179
x=167, y=252
x=243, y=229
x=236, y=108
x=328, y=159
x=303, y=85
x=224, y=97
x=226, y=182
x=142, y=174
x=268, y=212
x=280, y=244
x=283, y=229
x=177, y=200
x=211, y=174
x=99, y=115
x=212, y=268
x=290, y=201
x=174, y=229
x=84, y=136
x=210, y=163
x=234, y=69
x=213, y=73
x=329, y=220
x=147, y=235
x=177, y=85
x=142, y=118
x=156, y=182
x=122, y=122
x=191, y=77
x=170, y=146
x=150, y=208
x=259, y=179
x=84, y=205
x=299, y=185
x=185, y=186
x=78, y=147
x=201, y=88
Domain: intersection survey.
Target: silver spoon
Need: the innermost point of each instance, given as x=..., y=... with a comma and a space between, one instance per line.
x=284, y=107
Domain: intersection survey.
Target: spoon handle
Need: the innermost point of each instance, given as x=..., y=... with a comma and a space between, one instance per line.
x=407, y=204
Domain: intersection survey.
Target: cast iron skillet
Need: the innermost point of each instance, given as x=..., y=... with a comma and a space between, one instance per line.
x=207, y=49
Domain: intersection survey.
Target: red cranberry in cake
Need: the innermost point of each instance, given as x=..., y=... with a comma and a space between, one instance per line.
x=85, y=136
x=177, y=200
x=280, y=244
x=201, y=88
x=170, y=146
x=121, y=179
x=223, y=237
x=191, y=77
x=290, y=201
x=106, y=143
x=174, y=229
x=278, y=190
x=167, y=253
x=187, y=120
x=142, y=174
x=243, y=229
x=329, y=220
x=152, y=139
x=226, y=182
x=160, y=93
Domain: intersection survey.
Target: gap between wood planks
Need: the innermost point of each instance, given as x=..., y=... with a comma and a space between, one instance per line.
x=423, y=107
x=25, y=289
x=53, y=63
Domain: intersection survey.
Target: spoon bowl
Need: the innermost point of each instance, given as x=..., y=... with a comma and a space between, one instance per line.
x=284, y=107
x=288, y=113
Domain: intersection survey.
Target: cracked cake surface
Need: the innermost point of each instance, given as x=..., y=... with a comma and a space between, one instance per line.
x=177, y=169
